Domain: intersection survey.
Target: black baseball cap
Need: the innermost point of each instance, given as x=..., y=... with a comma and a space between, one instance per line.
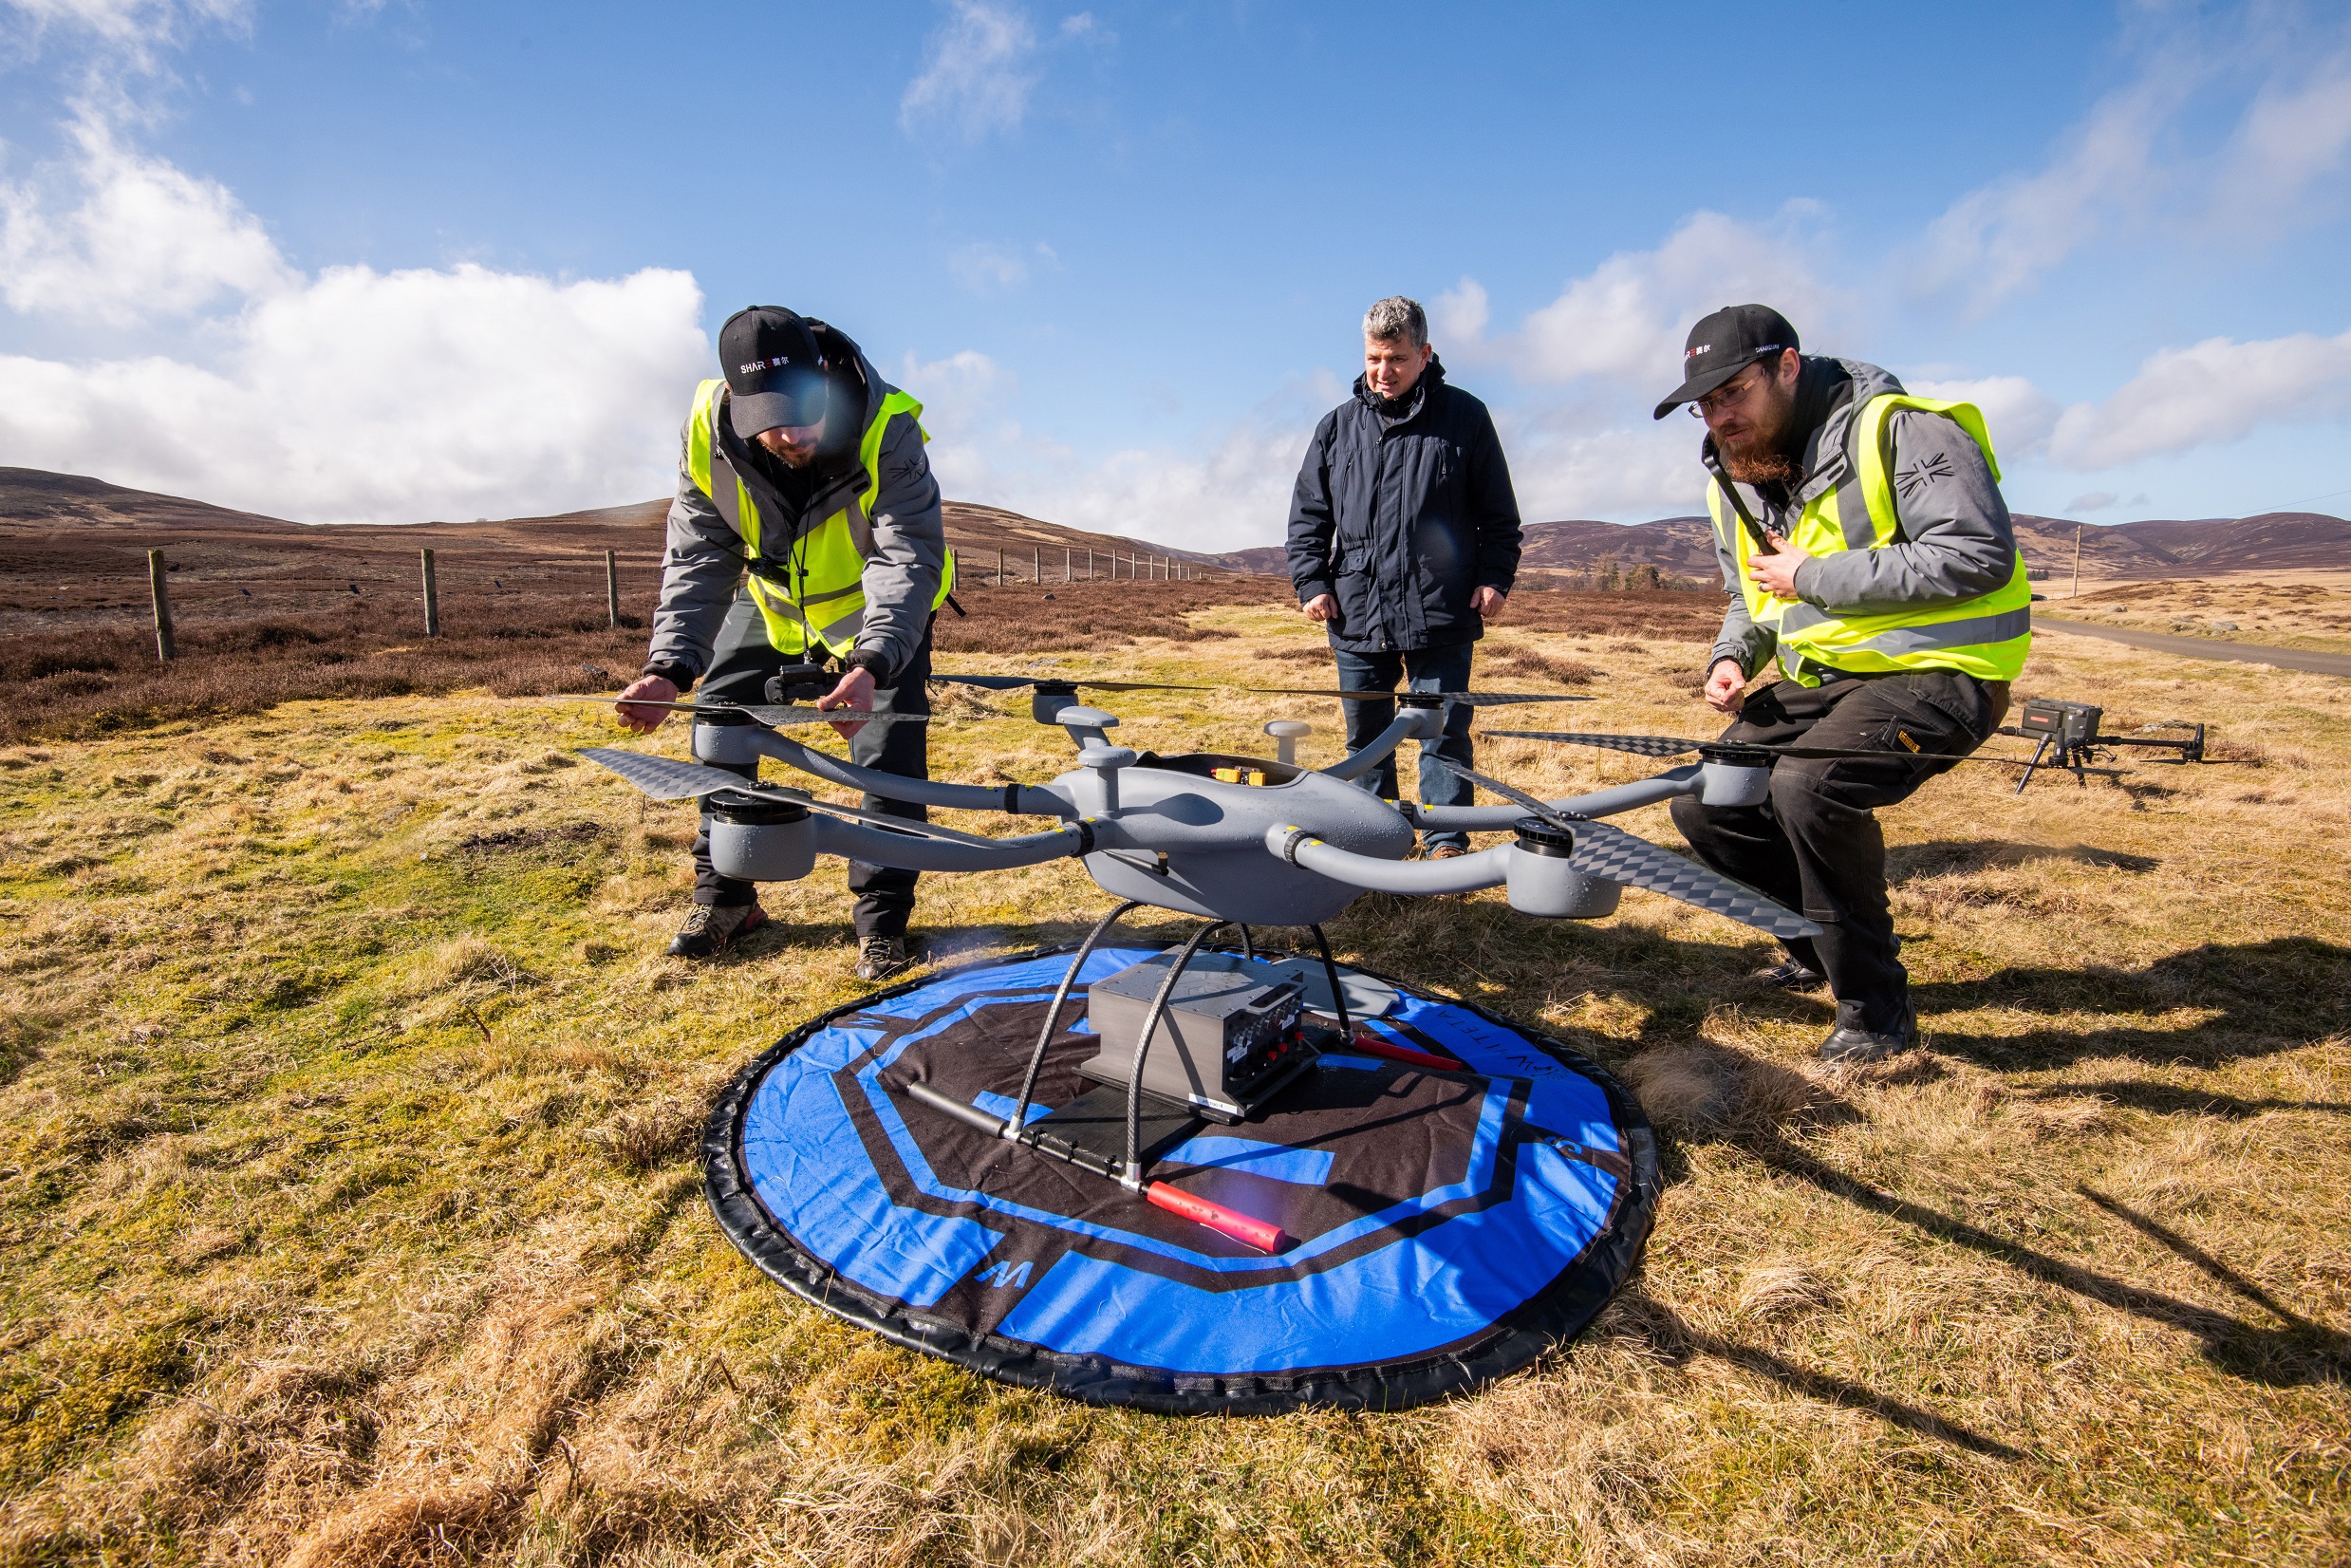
x=773, y=369
x=1725, y=343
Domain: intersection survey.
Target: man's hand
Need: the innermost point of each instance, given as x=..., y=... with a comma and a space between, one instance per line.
x=1488, y=602
x=855, y=694
x=1726, y=686
x=1776, y=570
x=1320, y=608
x=654, y=689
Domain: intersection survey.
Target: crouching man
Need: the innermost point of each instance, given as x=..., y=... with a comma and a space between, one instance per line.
x=1864, y=541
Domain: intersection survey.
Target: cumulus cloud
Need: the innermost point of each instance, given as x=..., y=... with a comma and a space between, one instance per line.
x=132, y=31
x=143, y=240
x=2214, y=391
x=1458, y=317
x=345, y=396
x=2018, y=415
x=1625, y=320
x=977, y=73
x=985, y=268
x=359, y=395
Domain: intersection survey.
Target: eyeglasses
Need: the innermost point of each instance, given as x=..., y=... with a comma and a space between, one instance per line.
x=1723, y=397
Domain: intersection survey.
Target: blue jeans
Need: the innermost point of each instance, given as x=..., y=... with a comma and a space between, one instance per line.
x=1428, y=669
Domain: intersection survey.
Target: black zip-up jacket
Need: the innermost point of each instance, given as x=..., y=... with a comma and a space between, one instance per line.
x=1402, y=515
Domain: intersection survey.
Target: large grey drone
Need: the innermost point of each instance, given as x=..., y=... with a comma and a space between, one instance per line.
x=1246, y=840
x=1239, y=841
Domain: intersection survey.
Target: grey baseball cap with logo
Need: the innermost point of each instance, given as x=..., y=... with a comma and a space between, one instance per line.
x=775, y=374
x=1725, y=343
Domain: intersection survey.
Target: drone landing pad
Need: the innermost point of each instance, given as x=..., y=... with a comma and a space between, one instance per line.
x=1444, y=1228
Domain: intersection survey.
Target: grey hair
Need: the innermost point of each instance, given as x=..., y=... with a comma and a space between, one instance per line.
x=1397, y=317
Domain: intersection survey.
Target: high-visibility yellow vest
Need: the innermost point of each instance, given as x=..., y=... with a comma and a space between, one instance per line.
x=1986, y=636
x=810, y=590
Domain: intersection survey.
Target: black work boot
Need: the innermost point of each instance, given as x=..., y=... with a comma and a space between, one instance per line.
x=712, y=926
x=1849, y=1044
x=879, y=957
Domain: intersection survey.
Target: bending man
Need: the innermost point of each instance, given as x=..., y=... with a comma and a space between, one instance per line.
x=806, y=530
x=1863, y=540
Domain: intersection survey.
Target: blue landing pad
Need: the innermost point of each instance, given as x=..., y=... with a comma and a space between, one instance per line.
x=1445, y=1227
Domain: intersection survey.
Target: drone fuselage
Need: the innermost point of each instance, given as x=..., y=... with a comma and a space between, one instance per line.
x=1184, y=840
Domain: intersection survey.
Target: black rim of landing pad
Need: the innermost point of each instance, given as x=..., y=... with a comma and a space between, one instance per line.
x=1404, y=1304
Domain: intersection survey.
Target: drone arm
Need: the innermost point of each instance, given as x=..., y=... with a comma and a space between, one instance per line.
x=1020, y=799
x=1460, y=874
x=1623, y=797
x=881, y=846
x=1411, y=724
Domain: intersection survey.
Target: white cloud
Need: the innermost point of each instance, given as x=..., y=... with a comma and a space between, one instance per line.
x=2018, y=415
x=2214, y=391
x=1626, y=319
x=2097, y=500
x=1458, y=317
x=1563, y=467
x=133, y=29
x=347, y=396
x=390, y=397
x=2294, y=135
x=977, y=73
x=143, y=241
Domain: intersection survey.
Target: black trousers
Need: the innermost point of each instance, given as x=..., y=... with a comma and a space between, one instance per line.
x=1814, y=845
x=739, y=673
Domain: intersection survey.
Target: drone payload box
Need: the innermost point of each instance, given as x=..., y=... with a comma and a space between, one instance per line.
x=2070, y=725
x=1229, y=1039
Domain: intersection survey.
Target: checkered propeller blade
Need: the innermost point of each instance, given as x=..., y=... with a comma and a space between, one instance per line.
x=1466, y=699
x=1029, y=683
x=1639, y=745
x=665, y=777
x=1614, y=856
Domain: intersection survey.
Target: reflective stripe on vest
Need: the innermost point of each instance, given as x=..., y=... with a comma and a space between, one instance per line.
x=1986, y=636
x=810, y=594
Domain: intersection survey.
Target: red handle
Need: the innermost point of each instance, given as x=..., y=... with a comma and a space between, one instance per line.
x=1255, y=1233
x=1371, y=1045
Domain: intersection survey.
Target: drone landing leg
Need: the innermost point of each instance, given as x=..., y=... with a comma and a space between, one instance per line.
x=1338, y=996
x=1248, y=948
x=1020, y=1118
x=1133, y=1174
x=2038, y=751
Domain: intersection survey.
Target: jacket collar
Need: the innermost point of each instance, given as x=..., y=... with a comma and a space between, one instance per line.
x=1414, y=401
x=1828, y=457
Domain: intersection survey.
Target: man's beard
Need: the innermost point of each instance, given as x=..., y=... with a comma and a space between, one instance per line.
x=1760, y=456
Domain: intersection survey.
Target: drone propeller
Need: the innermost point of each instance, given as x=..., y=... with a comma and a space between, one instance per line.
x=773, y=717
x=666, y=778
x=1614, y=855
x=1466, y=699
x=1667, y=745
x=1054, y=684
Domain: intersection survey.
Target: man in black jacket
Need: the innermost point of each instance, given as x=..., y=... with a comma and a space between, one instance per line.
x=1403, y=537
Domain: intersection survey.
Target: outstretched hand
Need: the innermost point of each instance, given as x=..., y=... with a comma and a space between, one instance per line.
x=653, y=689
x=855, y=695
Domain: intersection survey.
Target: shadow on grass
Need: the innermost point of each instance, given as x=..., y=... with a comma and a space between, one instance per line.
x=2299, y=1352
x=2271, y=996
x=1676, y=1342
x=2166, y=1100
x=1943, y=856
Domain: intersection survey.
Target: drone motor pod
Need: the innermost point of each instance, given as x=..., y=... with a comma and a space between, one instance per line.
x=756, y=840
x=1733, y=776
x=1544, y=880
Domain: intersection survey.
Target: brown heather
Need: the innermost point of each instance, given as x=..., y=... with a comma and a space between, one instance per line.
x=350, y=1211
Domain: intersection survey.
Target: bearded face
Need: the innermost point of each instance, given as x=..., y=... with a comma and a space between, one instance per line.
x=1751, y=435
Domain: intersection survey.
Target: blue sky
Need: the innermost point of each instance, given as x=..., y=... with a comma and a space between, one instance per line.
x=395, y=261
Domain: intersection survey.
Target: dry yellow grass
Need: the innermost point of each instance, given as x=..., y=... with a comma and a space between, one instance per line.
x=351, y=1210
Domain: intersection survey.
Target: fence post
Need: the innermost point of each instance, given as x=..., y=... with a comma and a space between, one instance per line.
x=431, y=598
x=612, y=587
x=165, y=647
x=1090, y=562
x=1065, y=565
x=1037, y=566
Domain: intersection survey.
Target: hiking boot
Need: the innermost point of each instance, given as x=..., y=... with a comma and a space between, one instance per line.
x=712, y=926
x=878, y=957
x=1864, y=1045
x=1789, y=974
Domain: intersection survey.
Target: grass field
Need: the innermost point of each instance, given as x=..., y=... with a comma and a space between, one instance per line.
x=348, y=1212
